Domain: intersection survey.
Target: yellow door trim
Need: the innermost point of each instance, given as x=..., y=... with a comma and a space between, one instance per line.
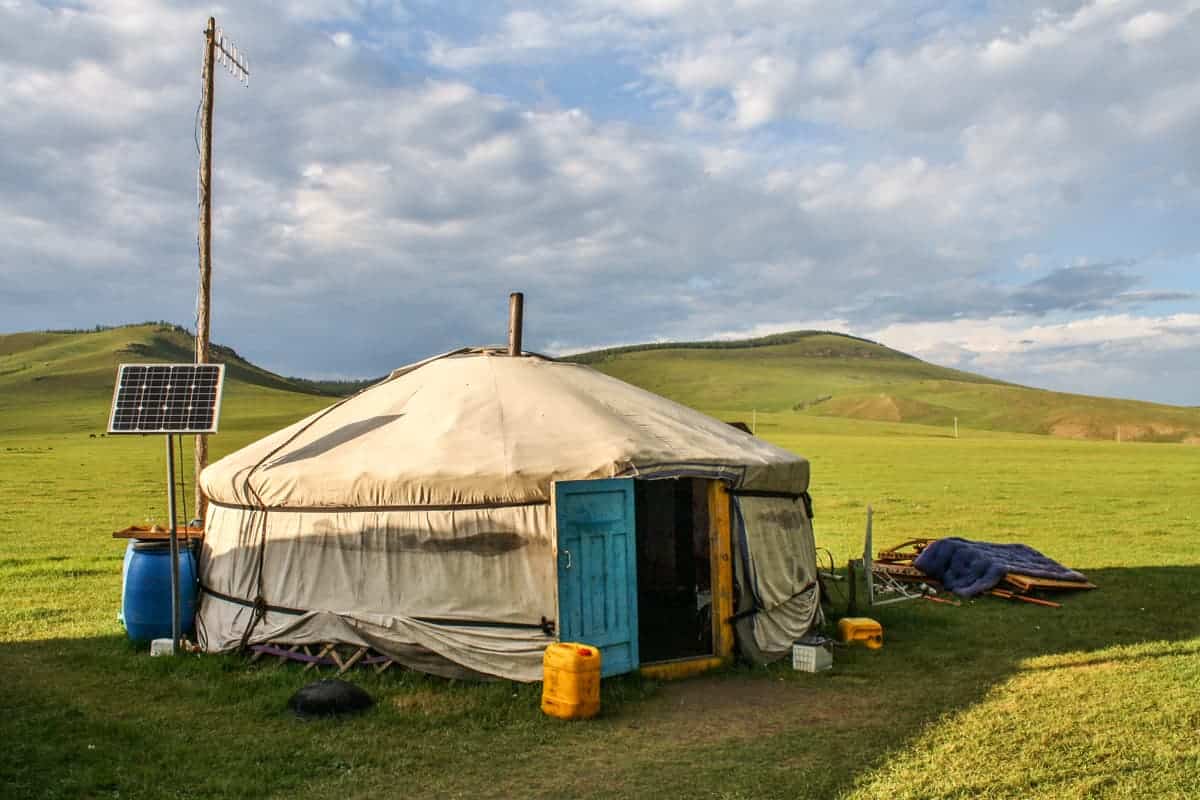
x=720, y=548
x=681, y=668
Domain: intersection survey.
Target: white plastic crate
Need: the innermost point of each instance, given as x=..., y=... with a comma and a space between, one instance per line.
x=811, y=658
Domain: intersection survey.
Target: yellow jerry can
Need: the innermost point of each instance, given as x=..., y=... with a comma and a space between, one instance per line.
x=861, y=629
x=571, y=680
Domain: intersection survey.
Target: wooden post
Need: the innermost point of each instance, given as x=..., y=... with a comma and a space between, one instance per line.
x=516, y=318
x=203, y=306
x=720, y=547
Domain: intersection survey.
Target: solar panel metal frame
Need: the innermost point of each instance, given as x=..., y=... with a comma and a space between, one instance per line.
x=149, y=423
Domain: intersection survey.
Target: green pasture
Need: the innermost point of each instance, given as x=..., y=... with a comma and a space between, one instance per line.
x=1098, y=699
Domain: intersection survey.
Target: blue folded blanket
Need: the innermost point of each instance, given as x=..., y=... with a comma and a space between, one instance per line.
x=970, y=568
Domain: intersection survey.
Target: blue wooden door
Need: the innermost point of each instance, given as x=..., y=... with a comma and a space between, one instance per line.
x=597, y=569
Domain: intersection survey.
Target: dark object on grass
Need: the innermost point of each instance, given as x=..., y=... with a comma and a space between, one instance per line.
x=970, y=568
x=328, y=697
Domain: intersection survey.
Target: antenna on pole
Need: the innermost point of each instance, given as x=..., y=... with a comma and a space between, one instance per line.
x=228, y=56
x=216, y=48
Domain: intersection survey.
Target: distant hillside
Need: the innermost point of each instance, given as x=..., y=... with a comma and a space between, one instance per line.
x=79, y=358
x=831, y=374
x=58, y=381
x=825, y=343
x=63, y=380
x=334, y=388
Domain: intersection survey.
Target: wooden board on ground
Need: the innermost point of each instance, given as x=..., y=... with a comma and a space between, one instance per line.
x=898, y=553
x=1028, y=583
x=904, y=572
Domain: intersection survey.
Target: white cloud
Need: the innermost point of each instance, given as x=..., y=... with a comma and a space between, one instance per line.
x=531, y=36
x=1013, y=335
x=1142, y=356
x=1048, y=67
x=856, y=164
x=1146, y=26
x=1004, y=121
x=1137, y=352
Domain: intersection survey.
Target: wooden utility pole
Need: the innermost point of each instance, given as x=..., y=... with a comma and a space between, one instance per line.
x=215, y=46
x=202, y=306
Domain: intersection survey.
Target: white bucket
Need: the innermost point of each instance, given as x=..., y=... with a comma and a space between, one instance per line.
x=160, y=647
x=811, y=658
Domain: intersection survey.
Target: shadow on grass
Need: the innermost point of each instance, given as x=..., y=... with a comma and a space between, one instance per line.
x=97, y=717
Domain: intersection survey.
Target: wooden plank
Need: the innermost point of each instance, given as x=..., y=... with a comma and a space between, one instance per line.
x=681, y=668
x=322, y=653
x=157, y=533
x=1007, y=595
x=902, y=572
x=329, y=654
x=350, y=662
x=720, y=548
x=336, y=655
x=1028, y=583
x=897, y=553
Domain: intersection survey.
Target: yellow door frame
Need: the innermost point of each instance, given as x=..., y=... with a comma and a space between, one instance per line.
x=720, y=549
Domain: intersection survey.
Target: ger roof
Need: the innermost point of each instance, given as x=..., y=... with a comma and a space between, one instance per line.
x=479, y=427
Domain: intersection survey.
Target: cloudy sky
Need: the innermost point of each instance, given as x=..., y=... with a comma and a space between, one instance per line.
x=1009, y=187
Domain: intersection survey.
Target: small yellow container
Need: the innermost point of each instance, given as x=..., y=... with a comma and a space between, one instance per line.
x=861, y=629
x=571, y=680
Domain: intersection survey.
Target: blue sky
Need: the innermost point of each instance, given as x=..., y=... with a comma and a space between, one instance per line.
x=1011, y=188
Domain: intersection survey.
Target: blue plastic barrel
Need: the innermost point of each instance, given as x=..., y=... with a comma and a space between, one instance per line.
x=146, y=590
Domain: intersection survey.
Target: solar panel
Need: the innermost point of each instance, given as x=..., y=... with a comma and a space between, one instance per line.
x=166, y=398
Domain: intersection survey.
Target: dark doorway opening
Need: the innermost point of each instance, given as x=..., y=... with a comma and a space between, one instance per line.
x=674, y=569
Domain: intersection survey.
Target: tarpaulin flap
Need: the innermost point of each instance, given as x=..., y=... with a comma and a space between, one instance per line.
x=781, y=602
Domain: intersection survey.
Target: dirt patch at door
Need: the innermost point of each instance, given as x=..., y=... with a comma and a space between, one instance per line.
x=725, y=707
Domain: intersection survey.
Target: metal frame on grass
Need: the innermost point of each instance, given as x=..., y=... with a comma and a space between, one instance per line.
x=890, y=590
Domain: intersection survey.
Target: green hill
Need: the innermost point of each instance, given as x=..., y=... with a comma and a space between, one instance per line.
x=62, y=381
x=829, y=374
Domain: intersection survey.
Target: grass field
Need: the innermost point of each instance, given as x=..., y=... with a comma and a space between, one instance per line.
x=1098, y=699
